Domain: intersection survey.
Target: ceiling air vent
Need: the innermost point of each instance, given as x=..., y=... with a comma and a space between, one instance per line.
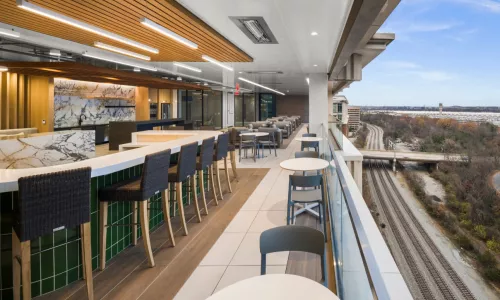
x=256, y=29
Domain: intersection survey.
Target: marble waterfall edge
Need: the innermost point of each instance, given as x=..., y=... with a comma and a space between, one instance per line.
x=47, y=150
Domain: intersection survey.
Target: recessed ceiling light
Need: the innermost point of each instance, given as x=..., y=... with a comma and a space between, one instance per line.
x=187, y=67
x=205, y=84
x=137, y=69
x=121, y=51
x=314, y=33
x=287, y=91
x=216, y=62
x=315, y=65
x=168, y=33
x=119, y=61
x=260, y=85
x=10, y=33
x=3, y=69
x=240, y=72
x=73, y=22
x=179, y=78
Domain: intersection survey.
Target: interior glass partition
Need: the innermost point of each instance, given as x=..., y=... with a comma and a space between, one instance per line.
x=203, y=108
x=244, y=109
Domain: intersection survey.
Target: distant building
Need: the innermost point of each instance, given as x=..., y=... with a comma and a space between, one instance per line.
x=354, y=120
x=441, y=108
x=338, y=112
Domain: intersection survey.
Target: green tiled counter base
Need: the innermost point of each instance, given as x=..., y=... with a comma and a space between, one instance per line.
x=56, y=258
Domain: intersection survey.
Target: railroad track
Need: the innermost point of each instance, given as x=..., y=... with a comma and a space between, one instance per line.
x=378, y=169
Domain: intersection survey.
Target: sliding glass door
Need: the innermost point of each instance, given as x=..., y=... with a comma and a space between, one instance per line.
x=244, y=109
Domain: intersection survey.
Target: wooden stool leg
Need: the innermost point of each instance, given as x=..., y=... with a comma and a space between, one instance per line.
x=26, y=269
x=175, y=202
x=195, y=197
x=212, y=183
x=145, y=232
x=232, y=155
x=87, y=259
x=16, y=267
x=227, y=175
x=134, y=223
x=181, y=206
x=103, y=214
x=201, y=183
x=217, y=174
x=165, y=204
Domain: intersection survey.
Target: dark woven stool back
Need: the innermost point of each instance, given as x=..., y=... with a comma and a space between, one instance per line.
x=222, y=145
x=207, y=153
x=155, y=173
x=50, y=201
x=187, y=161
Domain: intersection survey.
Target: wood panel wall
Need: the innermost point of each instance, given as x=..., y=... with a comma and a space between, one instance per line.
x=141, y=103
x=26, y=101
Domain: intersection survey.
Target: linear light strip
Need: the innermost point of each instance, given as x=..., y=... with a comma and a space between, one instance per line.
x=216, y=62
x=70, y=21
x=307, y=79
x=260, y=85
x=10, y=33
x=158, y=28
x=121, y=51
x=187, y=67
x=120, y=62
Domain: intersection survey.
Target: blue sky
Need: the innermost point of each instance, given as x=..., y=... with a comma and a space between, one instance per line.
x=445, y=51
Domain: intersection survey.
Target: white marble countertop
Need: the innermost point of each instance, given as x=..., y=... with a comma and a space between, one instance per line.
x=108, y=164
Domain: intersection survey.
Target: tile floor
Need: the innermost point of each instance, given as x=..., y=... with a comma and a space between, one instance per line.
x=236, y=255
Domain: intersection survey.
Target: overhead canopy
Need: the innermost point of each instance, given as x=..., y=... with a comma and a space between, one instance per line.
x=77, y=71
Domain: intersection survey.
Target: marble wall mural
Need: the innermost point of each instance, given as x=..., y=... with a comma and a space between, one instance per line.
x=43, y=150
x=73, y=98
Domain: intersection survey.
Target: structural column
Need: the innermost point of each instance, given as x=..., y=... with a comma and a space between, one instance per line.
x=318, y=102
x=358, y=174
x=227, y=99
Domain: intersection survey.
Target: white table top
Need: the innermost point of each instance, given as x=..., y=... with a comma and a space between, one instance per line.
x=304, y=164
x=275, y=287
x=255, y=133
x=308, y=139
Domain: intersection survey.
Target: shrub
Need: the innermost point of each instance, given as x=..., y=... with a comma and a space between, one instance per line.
x=486, y=259
x=493, y=245
x=464, y=242
x=480, y=231
x=492, y=274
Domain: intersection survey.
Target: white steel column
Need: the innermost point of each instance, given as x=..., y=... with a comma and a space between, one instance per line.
x=358, y=174
x=227, y=99
x=318, y=102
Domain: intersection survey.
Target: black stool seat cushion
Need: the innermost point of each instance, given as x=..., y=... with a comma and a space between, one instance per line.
x=128, y=190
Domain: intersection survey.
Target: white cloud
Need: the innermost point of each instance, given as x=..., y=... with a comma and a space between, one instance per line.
x=401, y=64
x=490, y=5
x=435, y=75
x=430, y=26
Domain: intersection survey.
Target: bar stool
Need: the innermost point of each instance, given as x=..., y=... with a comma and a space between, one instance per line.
x=232, y=150
x=49, y=201
x=221, y=154
x=205, y=161
x=307, y=145
x=185, y=169
x=138, y=191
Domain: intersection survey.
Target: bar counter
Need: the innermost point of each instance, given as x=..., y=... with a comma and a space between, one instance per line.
x=55, y=258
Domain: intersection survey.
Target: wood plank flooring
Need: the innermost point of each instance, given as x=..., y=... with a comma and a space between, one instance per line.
x=128, y=277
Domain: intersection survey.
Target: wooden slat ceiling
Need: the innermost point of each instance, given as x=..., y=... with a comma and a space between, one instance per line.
x=123, y=17
x=77, y=71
